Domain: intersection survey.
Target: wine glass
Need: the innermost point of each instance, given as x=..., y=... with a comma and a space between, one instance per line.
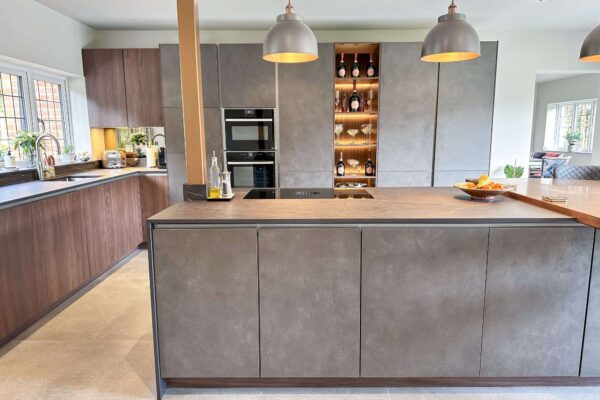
x=367, y=129
x=339, y=128
x=354, y=164
x=352, y=132
x=337, y=99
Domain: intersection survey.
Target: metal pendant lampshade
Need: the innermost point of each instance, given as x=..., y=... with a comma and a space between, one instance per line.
x=590, y=50
x=452, y=39
x=290, y=40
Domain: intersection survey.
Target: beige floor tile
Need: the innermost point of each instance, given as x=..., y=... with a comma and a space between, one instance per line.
x=523, y=393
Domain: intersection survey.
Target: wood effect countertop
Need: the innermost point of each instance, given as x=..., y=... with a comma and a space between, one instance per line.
x=583, y=197
x=389, y=205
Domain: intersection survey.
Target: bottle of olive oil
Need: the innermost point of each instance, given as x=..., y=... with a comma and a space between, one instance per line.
x=214, y=188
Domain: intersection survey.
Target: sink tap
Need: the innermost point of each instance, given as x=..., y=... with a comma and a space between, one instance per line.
x=42, y=172
x=153, y=136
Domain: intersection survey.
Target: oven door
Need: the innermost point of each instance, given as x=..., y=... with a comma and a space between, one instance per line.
x=252, y=174
x=249, y=130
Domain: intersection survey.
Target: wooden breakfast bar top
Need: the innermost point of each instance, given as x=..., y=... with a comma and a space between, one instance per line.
x=583, y=197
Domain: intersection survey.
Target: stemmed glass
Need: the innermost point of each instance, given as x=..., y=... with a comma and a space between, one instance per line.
x=337, y=99
x=354, y=164
x=367, y=129
x=339, y=128
x=352, y=132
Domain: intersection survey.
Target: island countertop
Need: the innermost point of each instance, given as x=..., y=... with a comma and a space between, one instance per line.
x=583, y=197
x=389, y=205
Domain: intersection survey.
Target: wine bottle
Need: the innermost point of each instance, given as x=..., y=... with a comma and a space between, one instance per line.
x=341, y=69
x=354, y=99
x=340, y=169
x=345, y=102
x=369, y=167
x=355, y=71
x=371, y=67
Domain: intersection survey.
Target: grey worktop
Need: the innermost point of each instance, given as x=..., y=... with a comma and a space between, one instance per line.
x=389, y=205
x=22, y=193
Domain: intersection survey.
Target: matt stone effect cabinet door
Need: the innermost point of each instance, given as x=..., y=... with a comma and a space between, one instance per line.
x=207, y=301
x=422, y=301
x=406, y=116
x=537, y=285
x=309, y=302
x=590, y=365
x=247, y=81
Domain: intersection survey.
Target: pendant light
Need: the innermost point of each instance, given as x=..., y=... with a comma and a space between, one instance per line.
x=452, y=39
x=290, y=40
x=590, y=50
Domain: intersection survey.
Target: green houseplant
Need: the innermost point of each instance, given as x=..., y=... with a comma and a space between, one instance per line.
x=25, y=140
x=139, y=140
x=68, y=153
x=514, y=171
x=572, y=138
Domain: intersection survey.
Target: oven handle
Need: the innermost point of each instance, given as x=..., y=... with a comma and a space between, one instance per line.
x=250, y=162
x=248, y=120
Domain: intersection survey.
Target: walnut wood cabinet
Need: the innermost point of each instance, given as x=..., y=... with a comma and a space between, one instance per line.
x=123, y=87
x=53, y=247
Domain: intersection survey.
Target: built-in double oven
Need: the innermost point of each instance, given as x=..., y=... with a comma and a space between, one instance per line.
x=250, y=147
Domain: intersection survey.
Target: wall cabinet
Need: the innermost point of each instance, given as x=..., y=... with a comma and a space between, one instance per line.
x=537, y=284
x=306, y=89
x=464, y=117
x=142, y=87
x=309, y=302
x=210, y=328
x=247, y=81
x=422, y=301
x=123, y=87
x=105, y=87
x=408, y=95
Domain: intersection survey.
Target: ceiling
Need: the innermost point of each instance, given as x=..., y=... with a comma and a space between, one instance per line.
x=333, y=14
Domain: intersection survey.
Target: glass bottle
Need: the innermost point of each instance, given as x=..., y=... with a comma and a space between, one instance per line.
x=354, y=99
x=355, y=71
x=214, y=191
x=371, y=71
x=341, y=68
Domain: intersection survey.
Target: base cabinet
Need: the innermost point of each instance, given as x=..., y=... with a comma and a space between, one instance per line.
x=422, y=301
x=207, y=302
x=154, y=197
x=590, y=364
x=309, y=302
x=537, y=285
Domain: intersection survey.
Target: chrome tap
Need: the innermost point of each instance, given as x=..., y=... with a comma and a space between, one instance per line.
x=40, y=161
x=153, y=136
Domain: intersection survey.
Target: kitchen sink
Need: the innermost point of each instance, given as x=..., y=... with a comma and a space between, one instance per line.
x=75, y=178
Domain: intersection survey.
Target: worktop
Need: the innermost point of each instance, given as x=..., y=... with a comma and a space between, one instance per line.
x=23, y=193
x=389, y=205
x=583, y=197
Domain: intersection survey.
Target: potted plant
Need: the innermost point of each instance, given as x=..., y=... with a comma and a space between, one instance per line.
x=572, y=139
x=68, y=153
x=513, y=171
x=138, y=139
x=3, y=152
x=25, y=140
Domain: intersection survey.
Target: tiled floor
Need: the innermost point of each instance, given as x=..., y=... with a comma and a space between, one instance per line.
x=99, y=347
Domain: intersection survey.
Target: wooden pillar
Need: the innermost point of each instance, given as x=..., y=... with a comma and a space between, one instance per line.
x=193, y=104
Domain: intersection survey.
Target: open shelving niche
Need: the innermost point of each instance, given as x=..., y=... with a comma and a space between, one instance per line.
x=356, y=148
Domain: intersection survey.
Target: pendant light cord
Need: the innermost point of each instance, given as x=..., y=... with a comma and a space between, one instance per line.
x=290, y=8
x=452, y=8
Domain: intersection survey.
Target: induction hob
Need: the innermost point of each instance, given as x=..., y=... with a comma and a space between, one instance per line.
x=313, y=193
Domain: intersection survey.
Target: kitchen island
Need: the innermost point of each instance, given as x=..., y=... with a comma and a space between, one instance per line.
x=416, y=286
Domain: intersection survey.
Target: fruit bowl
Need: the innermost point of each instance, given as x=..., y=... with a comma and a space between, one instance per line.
x=484, y=188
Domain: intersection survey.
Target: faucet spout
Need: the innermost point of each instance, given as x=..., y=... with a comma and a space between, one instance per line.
x=40, y=161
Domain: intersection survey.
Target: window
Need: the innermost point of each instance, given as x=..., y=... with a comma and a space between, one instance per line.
x=575, y=116
x=33, y=101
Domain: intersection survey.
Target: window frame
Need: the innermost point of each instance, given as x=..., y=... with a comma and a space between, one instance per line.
x=28, y=75
x=557, y=138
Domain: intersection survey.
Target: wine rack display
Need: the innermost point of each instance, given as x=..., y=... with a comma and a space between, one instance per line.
x=355, y=132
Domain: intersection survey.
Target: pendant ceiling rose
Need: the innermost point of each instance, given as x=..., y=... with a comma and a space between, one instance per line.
x=290, y=40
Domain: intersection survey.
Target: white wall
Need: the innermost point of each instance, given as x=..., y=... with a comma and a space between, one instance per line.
x=581, y=87
x=521, y=55
x=38, y=37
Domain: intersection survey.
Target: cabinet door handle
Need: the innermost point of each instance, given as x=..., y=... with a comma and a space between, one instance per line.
x=250, y=162
x=248, y=120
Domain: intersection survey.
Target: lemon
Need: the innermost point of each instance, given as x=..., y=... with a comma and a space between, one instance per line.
x=484, y=180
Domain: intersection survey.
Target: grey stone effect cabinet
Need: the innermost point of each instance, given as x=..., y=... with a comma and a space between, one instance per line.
x=537, y=284
x=206, y=299
x=422, y=301
x=306, y=97
x=407, y=104
x=309, y=302
x=590, y=365
x=247, y=81
x=173, y=112
x=464, y=118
